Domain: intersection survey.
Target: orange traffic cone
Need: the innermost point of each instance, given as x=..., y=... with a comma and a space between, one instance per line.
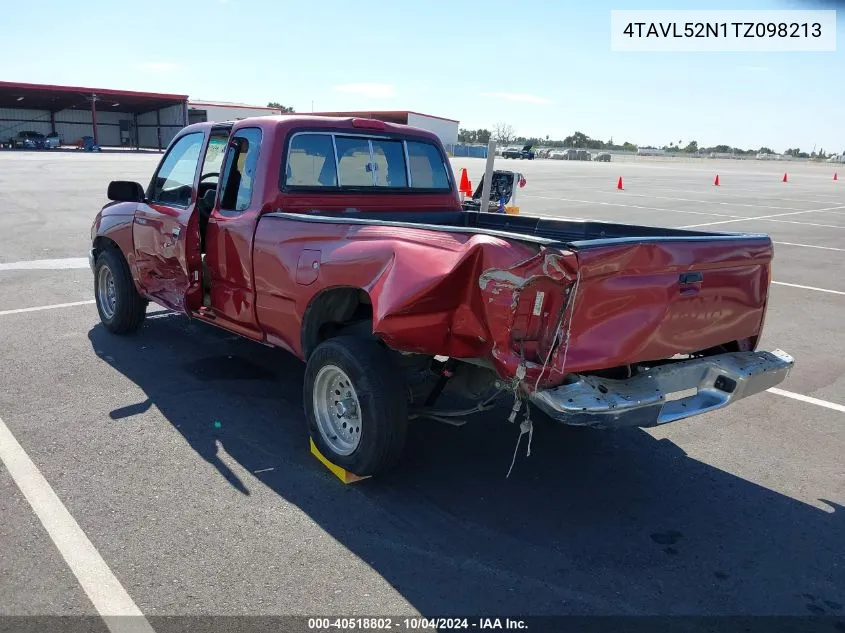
x=784, y=177
x=469, y=188
x=835, y=176
x=619, y=184
x=464, y=188
x=716, y=182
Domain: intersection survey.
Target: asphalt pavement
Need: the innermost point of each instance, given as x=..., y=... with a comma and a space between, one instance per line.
x=181, y=452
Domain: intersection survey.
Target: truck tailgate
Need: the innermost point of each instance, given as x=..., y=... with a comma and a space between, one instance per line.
x=642, y=300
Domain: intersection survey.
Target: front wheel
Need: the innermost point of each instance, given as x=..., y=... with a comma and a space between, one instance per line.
x=356, y=405
x=121, y=308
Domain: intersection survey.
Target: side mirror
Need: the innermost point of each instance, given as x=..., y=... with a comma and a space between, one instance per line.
x=125, y=191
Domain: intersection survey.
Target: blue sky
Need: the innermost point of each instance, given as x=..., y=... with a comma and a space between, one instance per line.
x=545, y=67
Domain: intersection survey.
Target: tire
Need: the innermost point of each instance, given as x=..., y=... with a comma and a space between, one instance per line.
x=122, y=310
x=378, y=404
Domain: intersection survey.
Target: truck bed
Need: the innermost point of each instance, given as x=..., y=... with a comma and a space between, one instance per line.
x=638, y=293
x=574, y=234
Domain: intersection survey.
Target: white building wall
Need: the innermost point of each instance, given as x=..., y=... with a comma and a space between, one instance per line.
x=221, y=112
x=447, y=131
x=172, y=120
x=14, y=120
x=173, y=115
x=74, y=123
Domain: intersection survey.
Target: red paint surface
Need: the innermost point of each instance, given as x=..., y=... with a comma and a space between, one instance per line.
x=439, y=292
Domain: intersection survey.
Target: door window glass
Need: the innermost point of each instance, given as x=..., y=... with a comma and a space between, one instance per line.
x=239, y=169
x=174, y=181
x=213, y=160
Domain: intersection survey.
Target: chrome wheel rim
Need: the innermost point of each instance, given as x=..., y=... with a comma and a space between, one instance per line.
x=106, y=298
x=337, y=410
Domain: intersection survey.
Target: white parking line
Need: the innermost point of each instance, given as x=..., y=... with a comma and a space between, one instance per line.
x=106, y=593
x=635, y=206
x=824, y=248
x=47, y=264
x=826, y=226
x=50, y=307
x=808, y=399
x=833, y=292
x=761, y=217
x=731, y=204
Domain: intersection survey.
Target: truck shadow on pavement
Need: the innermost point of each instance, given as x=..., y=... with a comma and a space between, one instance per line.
x=591, y=523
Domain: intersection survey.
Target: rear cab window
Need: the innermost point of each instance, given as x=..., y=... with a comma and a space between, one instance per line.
x=338, y=161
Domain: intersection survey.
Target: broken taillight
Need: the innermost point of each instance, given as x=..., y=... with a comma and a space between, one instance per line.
x=536, y=318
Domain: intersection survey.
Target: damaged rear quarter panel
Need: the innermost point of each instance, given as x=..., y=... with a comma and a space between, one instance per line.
x=432, y=292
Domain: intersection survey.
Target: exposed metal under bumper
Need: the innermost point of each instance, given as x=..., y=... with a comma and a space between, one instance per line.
x=91, y=258
x=665, y=393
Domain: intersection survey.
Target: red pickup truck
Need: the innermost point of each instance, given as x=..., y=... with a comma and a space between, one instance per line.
x=343, y=241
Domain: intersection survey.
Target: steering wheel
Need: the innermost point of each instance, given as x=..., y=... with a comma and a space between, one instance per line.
x=204, y=211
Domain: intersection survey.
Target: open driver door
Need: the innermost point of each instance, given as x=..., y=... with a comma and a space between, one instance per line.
x=166, y=232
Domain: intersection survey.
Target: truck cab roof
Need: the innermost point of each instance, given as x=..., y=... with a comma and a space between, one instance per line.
x=306, y=163
x=287, y=122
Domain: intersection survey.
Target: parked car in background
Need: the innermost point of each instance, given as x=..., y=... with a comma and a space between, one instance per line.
x=27, y=139
x=515, y=152
x=577, y=154
x=52, y=141
x=603, y=157
x=557, y=155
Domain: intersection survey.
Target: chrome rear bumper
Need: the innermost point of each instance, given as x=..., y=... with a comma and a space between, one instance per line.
x=665, y=393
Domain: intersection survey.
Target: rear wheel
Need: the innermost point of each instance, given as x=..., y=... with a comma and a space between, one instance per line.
x=355, y=405
x=121, y=308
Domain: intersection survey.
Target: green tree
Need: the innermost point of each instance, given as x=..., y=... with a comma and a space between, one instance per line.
x=577, y=140
x=692, y=147
x=503, y=133
x=279, y=106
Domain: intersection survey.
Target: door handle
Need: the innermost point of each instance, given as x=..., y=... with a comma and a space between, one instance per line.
x=141, y=220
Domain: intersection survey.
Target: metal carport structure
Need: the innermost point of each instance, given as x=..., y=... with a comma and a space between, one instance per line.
x=113, y=117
